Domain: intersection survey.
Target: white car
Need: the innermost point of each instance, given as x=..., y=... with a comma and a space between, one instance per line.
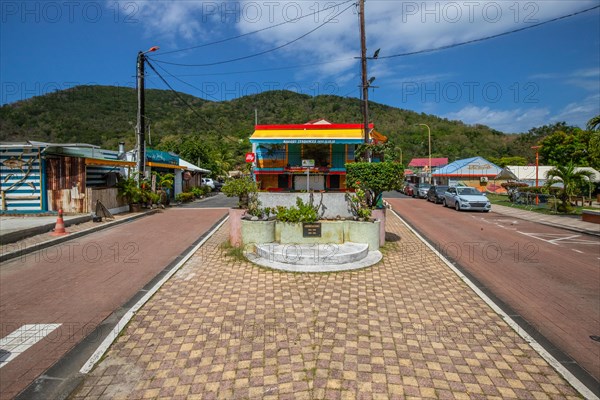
x=208, y=182
x=466, y=198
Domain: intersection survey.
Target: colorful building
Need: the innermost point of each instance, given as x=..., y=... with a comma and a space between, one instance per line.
x=306, y=156
x=476, y=172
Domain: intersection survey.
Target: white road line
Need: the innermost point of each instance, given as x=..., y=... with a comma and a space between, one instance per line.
x=579, y=251
x=572, y=379
x=23, y=338
x=112, y=336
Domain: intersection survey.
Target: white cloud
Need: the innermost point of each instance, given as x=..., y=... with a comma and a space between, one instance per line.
x=521, y=120
x=579, y=113
x=509, y=121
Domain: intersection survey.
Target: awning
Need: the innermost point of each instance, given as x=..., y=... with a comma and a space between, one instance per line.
x=308, y=136
x=111, y=163
x=162, y=165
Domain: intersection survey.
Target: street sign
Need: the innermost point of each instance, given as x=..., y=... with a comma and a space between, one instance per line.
x=250, y=157
x=308, y=163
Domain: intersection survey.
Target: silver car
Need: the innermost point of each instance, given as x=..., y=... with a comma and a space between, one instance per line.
x=466, y=198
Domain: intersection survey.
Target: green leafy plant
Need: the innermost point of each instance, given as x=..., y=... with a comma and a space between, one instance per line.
x=129, y=189
x=359, y=204
x=243, y=188
x=301, y=212
x=374, y=178
x=184, y=197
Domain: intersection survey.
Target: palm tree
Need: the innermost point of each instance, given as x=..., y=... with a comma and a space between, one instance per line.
x=594, y=123
x=571, y=180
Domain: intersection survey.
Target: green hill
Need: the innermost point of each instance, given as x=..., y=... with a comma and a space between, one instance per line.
x=105, y=115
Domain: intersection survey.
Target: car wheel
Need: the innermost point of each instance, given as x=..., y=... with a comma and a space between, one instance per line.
x=457, y=206
x=444, y=203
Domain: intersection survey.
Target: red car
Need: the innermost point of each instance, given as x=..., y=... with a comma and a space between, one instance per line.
x=409, y=189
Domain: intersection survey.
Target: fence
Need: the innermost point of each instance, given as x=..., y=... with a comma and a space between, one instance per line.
x=535, y=200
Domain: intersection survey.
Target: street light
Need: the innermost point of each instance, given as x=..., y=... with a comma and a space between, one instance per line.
x=429, y=138
x=141, y=118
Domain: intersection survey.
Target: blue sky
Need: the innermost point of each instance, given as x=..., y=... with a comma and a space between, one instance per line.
x=512, y=83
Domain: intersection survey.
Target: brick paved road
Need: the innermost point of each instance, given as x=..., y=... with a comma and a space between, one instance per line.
x=81, y=282
x=407, y=327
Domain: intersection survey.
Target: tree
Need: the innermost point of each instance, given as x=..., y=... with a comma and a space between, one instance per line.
x=571, y=180
x=374, y=177
x=594, y=124
x=562, y=147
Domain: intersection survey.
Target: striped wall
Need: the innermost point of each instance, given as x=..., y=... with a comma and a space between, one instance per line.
x=21, y=177
x=96, y=174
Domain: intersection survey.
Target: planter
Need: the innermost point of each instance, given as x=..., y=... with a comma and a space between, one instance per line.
x=257, y=232
x=135, y=207
x=363, y=232
x=235, y=226
x=379, y=214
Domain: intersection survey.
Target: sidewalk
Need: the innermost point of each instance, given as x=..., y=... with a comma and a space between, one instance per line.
x=22, y=235
x=573, y=223
x=408, y=327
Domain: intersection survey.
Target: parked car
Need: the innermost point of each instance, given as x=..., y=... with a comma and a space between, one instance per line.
x=435, y=193
x=421, y=190
x=466, y=198
x=208, y=182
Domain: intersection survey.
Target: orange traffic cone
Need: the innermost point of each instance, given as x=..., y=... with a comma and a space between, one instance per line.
x=59, y=229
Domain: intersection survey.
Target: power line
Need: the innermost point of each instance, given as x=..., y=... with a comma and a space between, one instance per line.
x=257, y=54
x=186, y=83
x=173, y=90
x=253, y=32
x=488, y=37
x=266, y=69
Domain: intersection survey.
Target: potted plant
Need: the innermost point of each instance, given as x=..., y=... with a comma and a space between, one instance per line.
x=130, y=190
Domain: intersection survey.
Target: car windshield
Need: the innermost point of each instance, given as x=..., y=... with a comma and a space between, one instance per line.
x=441, y=189
x=468, y=191
x=424, y=186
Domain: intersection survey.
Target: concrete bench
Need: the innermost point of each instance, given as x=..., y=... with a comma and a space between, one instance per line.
x=591, y=216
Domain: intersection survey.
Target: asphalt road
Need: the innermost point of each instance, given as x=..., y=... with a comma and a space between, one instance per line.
x=79, y=283
x=550, y=277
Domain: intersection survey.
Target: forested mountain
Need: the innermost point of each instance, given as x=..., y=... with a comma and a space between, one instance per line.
x=105, y=115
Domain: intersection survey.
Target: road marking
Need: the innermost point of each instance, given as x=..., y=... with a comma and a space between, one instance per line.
x=23, y=338
x=579, y=251
x=114, y=334
x=559, y=238
x=560, y=368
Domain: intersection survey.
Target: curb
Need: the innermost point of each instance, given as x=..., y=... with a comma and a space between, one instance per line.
x=12, y=237
x=74, y=235
x=64, y=377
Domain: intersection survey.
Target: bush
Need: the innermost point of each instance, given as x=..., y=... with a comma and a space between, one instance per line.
x=302, y=212
x=513, y=185
x=374, y=177
x=240, y=188
x=184, y=197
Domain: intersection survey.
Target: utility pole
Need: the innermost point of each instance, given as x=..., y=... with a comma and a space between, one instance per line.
x=141, y=118
x=363, y=62
x=141, y=113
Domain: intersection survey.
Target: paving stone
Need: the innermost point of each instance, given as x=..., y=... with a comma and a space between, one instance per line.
x=407, y=327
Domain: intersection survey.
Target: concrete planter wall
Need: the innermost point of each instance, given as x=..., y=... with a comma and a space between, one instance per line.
x=363, y=232
x=379, y=214
x=258, y=232
x=235, y=226
x=331, y=232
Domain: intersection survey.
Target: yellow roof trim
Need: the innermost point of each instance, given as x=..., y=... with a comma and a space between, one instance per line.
x=163, y=165
x=308, y=134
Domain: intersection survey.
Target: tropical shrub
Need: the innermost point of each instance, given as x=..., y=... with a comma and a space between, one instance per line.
x=374, y=178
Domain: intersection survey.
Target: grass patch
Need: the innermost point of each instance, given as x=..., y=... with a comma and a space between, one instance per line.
x=543, y=208
x=234, y=252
